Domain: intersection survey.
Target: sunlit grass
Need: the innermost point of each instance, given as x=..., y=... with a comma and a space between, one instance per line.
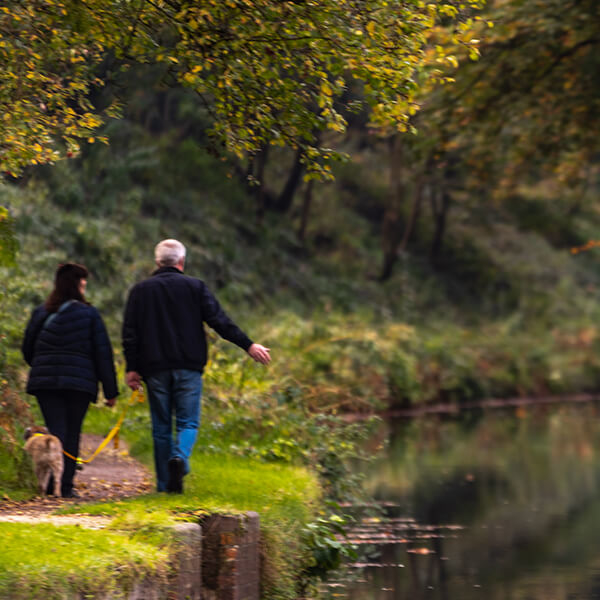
x=220, y=483
x=285, y=496
x=43, y=560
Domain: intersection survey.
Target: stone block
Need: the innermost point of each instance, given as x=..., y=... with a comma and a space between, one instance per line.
x=187, y=562
x=231, y=557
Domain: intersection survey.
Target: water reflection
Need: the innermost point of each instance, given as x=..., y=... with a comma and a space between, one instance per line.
x=501, y=505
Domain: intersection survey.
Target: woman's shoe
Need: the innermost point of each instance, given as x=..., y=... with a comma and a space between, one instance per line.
x=71, y=494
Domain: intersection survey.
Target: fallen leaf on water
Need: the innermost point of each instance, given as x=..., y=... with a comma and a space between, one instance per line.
x=420, y=551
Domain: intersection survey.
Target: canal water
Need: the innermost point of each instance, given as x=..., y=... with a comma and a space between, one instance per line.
x=495, y=504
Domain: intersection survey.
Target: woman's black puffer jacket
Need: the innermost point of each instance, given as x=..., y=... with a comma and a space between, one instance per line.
x=72, y=352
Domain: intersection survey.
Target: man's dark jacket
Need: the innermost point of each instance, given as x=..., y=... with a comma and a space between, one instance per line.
x=163, y=327
x=72, y=352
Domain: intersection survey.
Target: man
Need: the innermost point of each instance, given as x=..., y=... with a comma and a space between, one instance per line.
x=165, y=345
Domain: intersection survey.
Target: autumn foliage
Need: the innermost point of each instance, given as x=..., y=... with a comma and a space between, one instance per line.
x=268, y=71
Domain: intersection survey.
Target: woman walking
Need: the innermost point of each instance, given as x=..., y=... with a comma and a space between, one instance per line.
x=69, y=351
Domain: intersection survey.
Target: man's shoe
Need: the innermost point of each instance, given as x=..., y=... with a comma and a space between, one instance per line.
x=176, y=472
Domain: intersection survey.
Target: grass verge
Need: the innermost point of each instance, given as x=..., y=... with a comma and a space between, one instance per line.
x=287, y=498
x=49, y=561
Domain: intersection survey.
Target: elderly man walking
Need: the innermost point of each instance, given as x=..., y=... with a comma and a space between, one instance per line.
x=165, y=345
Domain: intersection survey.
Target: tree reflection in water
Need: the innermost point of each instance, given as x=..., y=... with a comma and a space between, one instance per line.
x=503, y=503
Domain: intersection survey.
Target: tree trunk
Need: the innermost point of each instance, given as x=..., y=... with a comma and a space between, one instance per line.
x=440, y=214
x=393, y=242
x=284, y=201
x=259, y=167
x=390, y=237
x=252, y=177
x=415, y=210
x=306, y=204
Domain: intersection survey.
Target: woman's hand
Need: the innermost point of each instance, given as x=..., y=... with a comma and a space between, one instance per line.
x=133, y=379
x=110, y=401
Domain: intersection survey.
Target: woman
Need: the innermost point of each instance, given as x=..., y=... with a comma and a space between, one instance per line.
x=68, y=349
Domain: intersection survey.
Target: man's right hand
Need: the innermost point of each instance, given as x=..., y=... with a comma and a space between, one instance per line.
x=133, y=379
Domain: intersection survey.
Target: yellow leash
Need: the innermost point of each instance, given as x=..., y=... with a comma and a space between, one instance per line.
x=136, y=396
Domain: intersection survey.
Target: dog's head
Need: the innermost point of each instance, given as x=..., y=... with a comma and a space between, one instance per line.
x=35, y=429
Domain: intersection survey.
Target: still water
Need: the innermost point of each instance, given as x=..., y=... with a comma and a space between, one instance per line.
x=501, y=504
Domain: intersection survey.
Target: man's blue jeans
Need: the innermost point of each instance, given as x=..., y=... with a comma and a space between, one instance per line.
x=173, y=392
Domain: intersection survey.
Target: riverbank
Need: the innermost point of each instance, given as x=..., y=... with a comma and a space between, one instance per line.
x=109, y=548
x=454, y=409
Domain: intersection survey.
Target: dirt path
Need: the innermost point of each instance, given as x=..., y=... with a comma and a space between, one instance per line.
x=112, y=475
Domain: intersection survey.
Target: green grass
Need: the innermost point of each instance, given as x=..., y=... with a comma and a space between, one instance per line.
x=221, y=483
x=43, y=560
x=287, y=497
x=218, y=478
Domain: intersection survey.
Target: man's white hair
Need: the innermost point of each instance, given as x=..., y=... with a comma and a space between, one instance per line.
x=168, y=253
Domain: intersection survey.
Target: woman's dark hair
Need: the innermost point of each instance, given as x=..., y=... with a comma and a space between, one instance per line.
x=66, y=286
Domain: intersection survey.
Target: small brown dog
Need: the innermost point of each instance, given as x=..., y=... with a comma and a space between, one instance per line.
x=46, y=451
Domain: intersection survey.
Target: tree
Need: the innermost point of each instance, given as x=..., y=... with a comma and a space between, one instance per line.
x=48, y=54
x=269, y=71
x=530, y=106
x=528, y=109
